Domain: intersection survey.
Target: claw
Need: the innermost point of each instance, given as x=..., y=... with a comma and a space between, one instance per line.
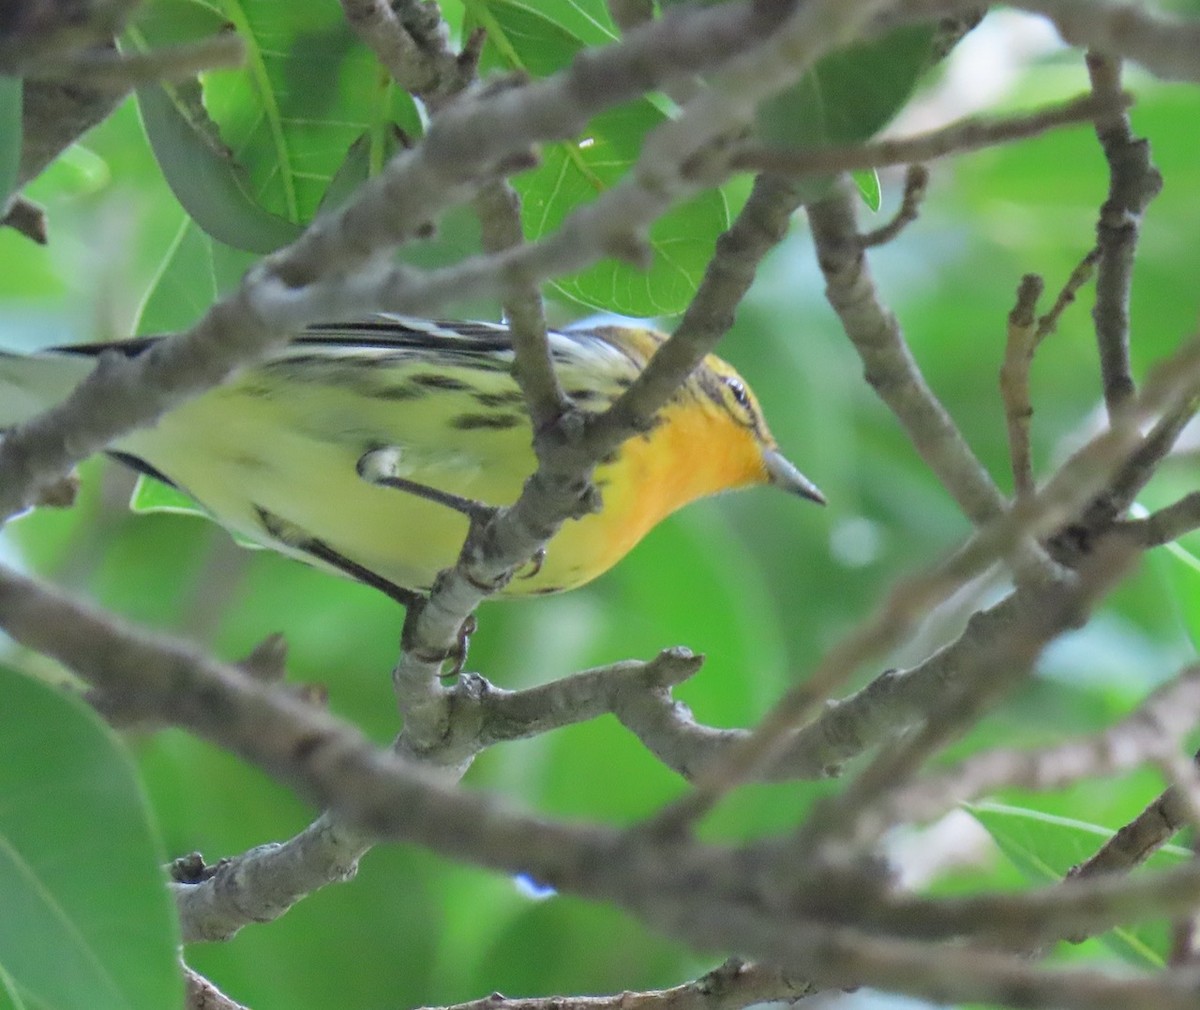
x=458, y=655
x=535, y=564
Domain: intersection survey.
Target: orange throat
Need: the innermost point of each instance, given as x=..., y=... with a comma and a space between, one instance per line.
x=692, y=453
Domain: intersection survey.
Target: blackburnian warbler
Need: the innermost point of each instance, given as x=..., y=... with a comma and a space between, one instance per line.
x=295, y=452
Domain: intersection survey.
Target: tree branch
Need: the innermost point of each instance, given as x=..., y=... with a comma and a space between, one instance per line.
x=731, y=986
x=692, y=891
x=864, y=811
x=1166, y=524
x=1167, y=46
x=1133, y=183
x=966, y=135
x=1154, y=730
x=887, y=363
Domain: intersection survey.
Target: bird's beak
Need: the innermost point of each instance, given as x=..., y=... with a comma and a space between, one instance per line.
x=782, y=474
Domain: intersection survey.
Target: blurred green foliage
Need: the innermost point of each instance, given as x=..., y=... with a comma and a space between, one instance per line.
x=759, y=583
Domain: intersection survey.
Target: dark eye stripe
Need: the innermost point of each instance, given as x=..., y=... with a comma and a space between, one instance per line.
x=738, y=388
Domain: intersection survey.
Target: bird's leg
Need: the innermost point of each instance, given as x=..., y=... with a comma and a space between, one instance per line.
x=378, y=466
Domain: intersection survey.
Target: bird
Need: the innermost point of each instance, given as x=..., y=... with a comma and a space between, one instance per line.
x=353, y=446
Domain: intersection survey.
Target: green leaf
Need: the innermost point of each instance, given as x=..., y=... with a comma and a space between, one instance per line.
x=87, y=919
x=1045, y=847
x=11, y=102
x=354, y=170
x=284, y=122
x=868, y=188
x=10, y=999
x=681, y=241
x=205, y=178
x=308, y=90
x=523, y=37
x=1182, y=570
x=850, y=94
x=195, y=272
x=150, y=495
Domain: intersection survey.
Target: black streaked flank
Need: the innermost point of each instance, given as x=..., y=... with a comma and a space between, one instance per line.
x=405, y=392
x=296, y=361
x=256, y=390
x=496, y=422
x=498, y=399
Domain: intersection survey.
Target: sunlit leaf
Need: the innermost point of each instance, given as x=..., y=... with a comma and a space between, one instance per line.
x=87, y=920
x=196, y=270
x=868, y=188
x=284, y=122
x=528, y=38
x=1045, y=847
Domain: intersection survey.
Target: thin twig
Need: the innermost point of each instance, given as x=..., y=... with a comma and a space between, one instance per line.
x=1014, y=382
x=28, y=218
x=916, y=182
x=1113, y=501
x=1054, y=912
x=861, y=812
x=887, y=363
x=1166, y=524
x=761, y=224
x=1137, y=841
x=731, y=986
x=1157, y=727
x=201, y=994
x=966, y=135
x=1082, y=273
x=499, y=211
x=121, y=71
x=1133, y=183
x=420, y=62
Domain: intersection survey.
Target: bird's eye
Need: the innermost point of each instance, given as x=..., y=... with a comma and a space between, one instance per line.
x=738, y=389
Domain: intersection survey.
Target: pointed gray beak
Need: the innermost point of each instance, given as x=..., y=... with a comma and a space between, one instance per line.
x=782, y=474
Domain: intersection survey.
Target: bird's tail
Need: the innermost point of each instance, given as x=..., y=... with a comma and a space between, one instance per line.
x=30, y=383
